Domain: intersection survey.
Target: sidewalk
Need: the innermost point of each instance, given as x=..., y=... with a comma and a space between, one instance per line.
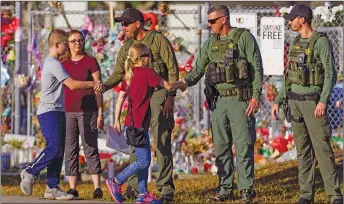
x=31, y=199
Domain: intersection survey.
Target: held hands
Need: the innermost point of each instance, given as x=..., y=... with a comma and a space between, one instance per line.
x=98, y=86
x=179, y=85
x=183, y=86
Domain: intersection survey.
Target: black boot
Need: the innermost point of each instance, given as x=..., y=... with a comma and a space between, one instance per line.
x=221, y=198
x=304, y=201
x=247, y=196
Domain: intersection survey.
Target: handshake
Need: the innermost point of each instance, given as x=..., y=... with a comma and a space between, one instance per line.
x=177, y=85
x=98, y=87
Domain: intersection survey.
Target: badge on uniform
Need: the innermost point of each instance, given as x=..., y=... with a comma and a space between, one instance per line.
x=231, y=45
x=308, y=51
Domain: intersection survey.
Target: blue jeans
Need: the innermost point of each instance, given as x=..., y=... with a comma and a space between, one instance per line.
x=140, y=167
x=53, y=126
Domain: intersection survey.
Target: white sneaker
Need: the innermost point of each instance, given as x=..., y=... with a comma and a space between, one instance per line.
x=27, y=181
x=57, y=194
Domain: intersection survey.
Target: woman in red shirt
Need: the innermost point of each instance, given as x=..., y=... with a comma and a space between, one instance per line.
x=84, y=114
x=140, y=81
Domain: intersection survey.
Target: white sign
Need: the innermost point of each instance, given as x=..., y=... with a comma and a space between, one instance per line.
x=245, y=20
x=272, y=44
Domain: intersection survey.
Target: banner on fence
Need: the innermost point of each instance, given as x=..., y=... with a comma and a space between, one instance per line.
x=245, y=20
x=272, y=44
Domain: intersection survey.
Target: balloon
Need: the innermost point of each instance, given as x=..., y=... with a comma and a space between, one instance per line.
x=152, y=17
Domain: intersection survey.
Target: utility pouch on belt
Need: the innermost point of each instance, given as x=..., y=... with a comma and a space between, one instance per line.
x=242, y=94
x=245, y=94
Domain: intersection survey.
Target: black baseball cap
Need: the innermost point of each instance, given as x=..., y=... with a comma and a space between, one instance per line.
x=300, y=10
x=130, y=15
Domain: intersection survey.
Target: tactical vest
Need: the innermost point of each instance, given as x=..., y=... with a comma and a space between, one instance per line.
x=156, y=61
x=303, y=67
x=226, y=66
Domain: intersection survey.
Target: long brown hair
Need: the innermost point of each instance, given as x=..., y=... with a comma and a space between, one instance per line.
x=68, y=54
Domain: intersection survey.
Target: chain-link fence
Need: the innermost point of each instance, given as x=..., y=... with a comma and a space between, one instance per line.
x=180, y=28
x=334, y=31
x=183, y=29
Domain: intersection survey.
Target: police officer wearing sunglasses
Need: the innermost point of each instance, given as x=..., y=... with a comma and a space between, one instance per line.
x=309, y=79
x=234, y=67
x=164, y=62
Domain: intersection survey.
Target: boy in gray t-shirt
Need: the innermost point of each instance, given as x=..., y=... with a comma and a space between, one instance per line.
x=52, y=95
x=51, y=117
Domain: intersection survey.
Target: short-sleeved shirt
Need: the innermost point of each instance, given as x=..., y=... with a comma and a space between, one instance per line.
x=141, y=88
x=81, y=100
x=52, y=94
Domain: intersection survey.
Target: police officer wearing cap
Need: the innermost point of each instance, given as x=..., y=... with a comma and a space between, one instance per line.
x=164, y=63
x=231, y=61
x=309, y=79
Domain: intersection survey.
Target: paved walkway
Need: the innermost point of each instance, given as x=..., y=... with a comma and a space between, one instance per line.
x=31, y=199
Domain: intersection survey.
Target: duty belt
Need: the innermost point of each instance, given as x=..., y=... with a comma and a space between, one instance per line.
x=229, y=92
x=243, y=94
x=303, y=97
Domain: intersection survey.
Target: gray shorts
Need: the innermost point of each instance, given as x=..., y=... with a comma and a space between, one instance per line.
x=85, y=124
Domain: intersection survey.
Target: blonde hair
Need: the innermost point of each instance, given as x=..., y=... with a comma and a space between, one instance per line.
x=136, y=51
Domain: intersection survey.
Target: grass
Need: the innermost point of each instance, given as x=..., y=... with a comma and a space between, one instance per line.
x=274, y=183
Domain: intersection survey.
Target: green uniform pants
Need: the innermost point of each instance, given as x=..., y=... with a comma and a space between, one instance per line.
x=312, y=138
x=162, y=130
x=231, y=126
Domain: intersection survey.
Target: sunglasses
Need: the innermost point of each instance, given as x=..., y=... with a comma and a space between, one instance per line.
x=212, y=21
x=145, y=55
x=126, y=24
x=75, y=41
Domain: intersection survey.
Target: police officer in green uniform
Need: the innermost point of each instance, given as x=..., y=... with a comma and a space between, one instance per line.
x=234, y=67
x=165, y=64
x=309, y=79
